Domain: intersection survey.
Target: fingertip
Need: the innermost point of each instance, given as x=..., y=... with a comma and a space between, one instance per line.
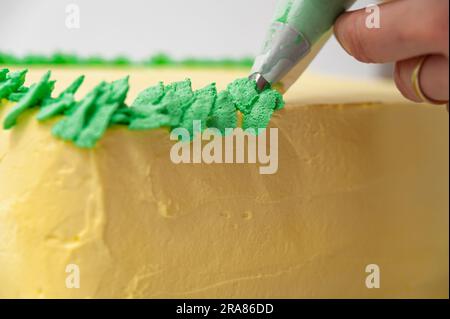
x=352, y=35
x=340, y=30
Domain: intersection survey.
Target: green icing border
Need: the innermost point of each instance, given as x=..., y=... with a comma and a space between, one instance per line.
x=175, y=105
x=157, y=60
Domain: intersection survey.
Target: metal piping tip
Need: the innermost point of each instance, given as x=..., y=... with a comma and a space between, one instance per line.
x=261, y=82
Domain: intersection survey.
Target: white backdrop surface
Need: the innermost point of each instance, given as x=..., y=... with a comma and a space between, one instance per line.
x=139, y=28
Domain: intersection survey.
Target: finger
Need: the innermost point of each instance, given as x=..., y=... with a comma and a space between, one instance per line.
x=433, y=78
x=408, y=28
x=403, y=78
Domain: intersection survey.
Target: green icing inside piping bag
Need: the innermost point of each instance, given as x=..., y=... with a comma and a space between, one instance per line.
x=172, y=106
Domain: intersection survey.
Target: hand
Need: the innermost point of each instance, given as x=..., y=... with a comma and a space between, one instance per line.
x=411, y=32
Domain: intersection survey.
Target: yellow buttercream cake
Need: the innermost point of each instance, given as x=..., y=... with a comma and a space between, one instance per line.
x=362, y=180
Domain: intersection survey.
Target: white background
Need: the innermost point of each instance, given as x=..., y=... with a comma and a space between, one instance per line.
x=139, y=28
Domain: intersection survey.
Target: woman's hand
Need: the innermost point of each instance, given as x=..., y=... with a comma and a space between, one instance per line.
x=414, y=34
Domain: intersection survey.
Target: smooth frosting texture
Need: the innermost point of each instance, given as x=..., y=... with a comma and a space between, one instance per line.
x=358, y=184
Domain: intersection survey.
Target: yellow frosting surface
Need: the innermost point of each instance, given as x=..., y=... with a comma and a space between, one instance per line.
x=362, y=179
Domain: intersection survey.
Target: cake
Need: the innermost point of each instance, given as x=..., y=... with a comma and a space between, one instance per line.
x=361, y=184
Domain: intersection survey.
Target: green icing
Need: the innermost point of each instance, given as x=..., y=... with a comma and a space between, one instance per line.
x=223, y=113
x=69, y=127
x=277, y=98
x=3, y=73
x=35, y=95
x=158, y=60
x=179, y=96
x=11, y=83
x=65, y=101
x=261, y=112
x=200, y=108
x=175, y=105
x=86, y=125
x=283, y=9
x=121, y=116
x=155, y=120
x=149, y=97
x=244, y=94
x=96, y=126
x=112, y=97
x=55, y=108
x=117, y=92
x=20, y=93
x=73, y=88
x=312, y=18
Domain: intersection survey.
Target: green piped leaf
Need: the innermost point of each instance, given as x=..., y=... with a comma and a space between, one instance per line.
x=88, y=122
x=244, y=94
x=278, y=99
x=201, y=107
x=223, y=113
x=153, y=121
x=3, y=73
x=34, y=96
x=69, y=127
x=113, y=92
x=73, y=87
x=179, y=96
x=175, y=105
x=119, y=90
x=65, y=101
x=261, y=113
x=97, y=126
x=57, y=107
x=18, y=95
x=14, y=80
x=149, y=97
x=122, y=116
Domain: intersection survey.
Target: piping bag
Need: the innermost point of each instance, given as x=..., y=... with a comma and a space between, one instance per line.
x=299, y=30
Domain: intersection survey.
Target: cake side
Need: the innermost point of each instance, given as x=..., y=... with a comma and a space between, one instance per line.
x=351, y=190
